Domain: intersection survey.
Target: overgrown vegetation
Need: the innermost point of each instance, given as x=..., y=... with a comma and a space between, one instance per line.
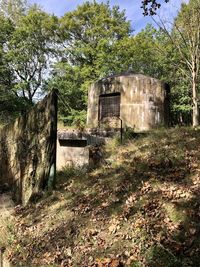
x=7, y=226
x=140, y=208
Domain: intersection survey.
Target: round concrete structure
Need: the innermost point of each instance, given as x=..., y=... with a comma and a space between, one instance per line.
x=139, y=101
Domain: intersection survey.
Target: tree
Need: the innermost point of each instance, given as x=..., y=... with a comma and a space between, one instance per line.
x=13, y=9
x=89, y=36
x=31, y=50
x=72, y=103
x=6, y=30
x=150, y=7
x=185, y=37
x=10, y=104
x=139, y=55
x=151, y=52
x=90, y=33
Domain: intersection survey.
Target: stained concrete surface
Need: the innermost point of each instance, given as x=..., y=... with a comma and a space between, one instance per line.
x=27, y=150
x=144, y=101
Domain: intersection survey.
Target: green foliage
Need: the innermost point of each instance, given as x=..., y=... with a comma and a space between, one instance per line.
x=185, y=39
x=66, y=174
x=140, y=54
x=9, y=102
x=11, y=106
x=90, y=37
x=71, y=97
x=90, y=34
x=181, y=104
x=6, y=75
x=26, y=45
x=129, y=133
x=160, y=256
x=76, y=118
x=30, y=47
x=13, y=9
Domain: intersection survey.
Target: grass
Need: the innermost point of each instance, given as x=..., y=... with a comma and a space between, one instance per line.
x=160, y=256
x=6, y=232
x=7, y=224
x=141, y=207
x=175, y=215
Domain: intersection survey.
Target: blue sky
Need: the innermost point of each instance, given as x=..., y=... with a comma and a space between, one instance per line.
x=132, y=7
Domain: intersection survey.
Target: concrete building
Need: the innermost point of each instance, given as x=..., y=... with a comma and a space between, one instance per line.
x=135, y=100
x=130, y=100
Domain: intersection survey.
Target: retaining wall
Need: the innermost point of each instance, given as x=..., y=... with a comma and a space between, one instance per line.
x=28, y=150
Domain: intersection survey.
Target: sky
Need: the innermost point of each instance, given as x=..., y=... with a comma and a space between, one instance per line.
x=132, y=8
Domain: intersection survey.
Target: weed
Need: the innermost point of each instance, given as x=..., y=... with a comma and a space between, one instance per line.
x=7, y=231
x=160, y=256
x=135, y=263
x=69, y=172
x=176, y=215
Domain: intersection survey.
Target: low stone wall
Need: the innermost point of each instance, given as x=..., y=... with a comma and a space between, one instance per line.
x=28, y=150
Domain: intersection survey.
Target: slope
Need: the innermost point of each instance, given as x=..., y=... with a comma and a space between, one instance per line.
x=141, y=207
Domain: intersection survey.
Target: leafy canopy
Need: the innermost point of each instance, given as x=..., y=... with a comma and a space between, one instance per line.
x=31, y=49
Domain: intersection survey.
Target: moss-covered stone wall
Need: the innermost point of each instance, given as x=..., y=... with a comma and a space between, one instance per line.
x=28, y=150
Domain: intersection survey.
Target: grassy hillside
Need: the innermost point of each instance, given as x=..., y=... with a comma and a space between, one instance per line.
x=140, y=208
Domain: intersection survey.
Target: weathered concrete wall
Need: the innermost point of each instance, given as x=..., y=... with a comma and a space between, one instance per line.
x=71, y=156
x=28, y=150
x=73, y=148
x=143, y=100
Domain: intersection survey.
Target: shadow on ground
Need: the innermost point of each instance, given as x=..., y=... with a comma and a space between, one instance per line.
x=142, y=207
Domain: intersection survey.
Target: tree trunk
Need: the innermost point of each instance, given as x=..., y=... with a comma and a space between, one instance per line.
x=30, y=97
x=195, y=115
